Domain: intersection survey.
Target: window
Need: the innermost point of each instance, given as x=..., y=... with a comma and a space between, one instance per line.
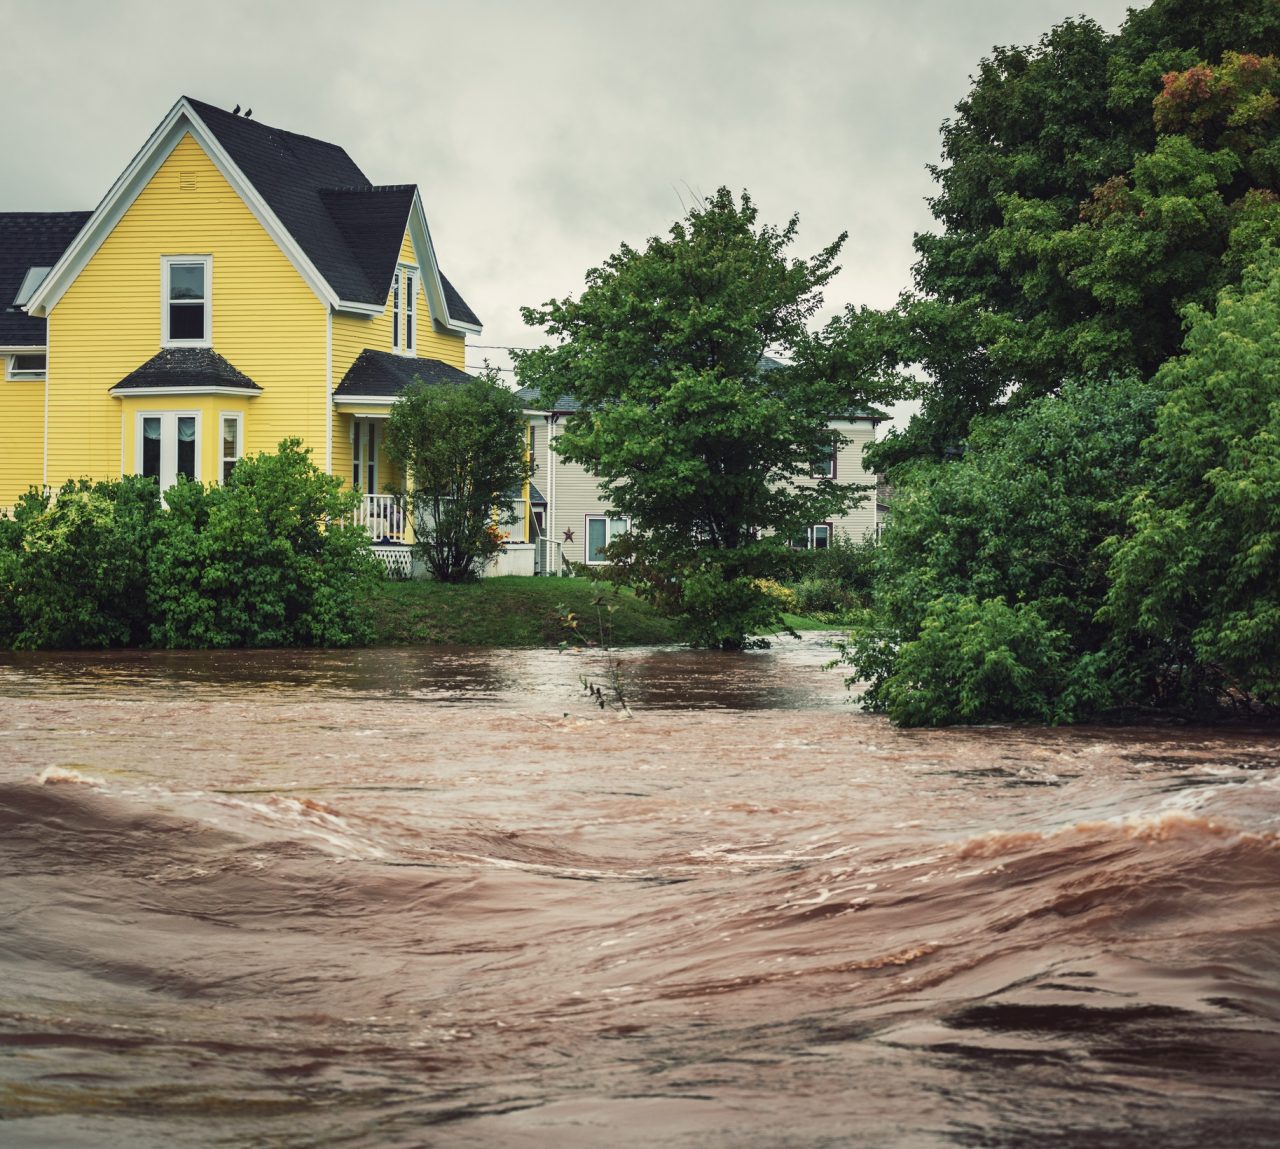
x=169, y=446
x=232, y=443
x=30, y=281
x=364, y=456
x=404, y=297
x=601, y=531
x=26, y=365
x=824, y=464
x=816, y=538
x=185, y=318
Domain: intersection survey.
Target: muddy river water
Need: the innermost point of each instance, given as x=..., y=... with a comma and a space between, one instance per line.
x=437, y=898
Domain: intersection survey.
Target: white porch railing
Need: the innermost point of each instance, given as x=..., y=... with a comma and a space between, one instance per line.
x=383, y=517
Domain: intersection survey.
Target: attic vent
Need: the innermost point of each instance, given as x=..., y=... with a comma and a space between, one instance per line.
x=187, y=181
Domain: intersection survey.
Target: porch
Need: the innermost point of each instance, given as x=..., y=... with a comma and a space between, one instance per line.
x=390, y=527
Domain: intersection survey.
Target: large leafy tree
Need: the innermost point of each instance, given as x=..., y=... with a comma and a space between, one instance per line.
x=1198, y=573
x=691, y=436
x=1091, y=188
x=463, y=446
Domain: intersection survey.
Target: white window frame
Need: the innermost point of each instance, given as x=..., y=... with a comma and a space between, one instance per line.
x=223, y=459
x=167, y=262
x=362, y=466
x=829, y=470
x=404, y=310
x=610, y=533
x=168, y=435
x=13, y=374
x=811, y=537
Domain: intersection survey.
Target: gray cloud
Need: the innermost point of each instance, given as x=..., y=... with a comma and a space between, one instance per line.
x=542, y=133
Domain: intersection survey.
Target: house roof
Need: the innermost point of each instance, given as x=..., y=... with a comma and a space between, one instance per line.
x=378, y=374
x=193, y=368
x=350, y=229
x=29, y=239
x=531, y=400
x=342, y=232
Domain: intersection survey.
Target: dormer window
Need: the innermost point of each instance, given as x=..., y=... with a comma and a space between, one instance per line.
x=25, y=365
x=186, y=282
x=33, y=278
x=404, y=293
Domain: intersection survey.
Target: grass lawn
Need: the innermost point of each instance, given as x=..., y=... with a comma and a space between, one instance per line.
x=511, y=611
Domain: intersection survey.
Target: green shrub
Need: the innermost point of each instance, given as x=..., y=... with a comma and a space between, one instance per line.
x=973, y=661
x=269, y=559
x=78, y=575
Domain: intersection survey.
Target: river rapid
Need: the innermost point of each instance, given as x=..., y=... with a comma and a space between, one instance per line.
x=438, y=898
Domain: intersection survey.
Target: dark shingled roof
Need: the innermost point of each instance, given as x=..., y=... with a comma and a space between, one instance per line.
x=531, y=399
x=30, y=239
x=194, y=367
x=456, y=304
x=349, y=229
x=379, y=373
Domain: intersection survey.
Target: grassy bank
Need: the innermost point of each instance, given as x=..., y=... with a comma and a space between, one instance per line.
x=511, y=611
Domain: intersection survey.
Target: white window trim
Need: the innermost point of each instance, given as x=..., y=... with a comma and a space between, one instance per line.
x=13, y=375
x=404, y=307
x=162, y=415
x=238, y=416
x=167, y=261
x=609, y=535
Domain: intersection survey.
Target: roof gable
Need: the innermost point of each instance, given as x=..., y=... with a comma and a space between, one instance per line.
x=309, y=196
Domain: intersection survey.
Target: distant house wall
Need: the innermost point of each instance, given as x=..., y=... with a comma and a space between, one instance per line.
x=575, y=493
x=853, y=435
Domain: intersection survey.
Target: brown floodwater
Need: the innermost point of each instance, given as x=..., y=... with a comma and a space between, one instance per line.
x=438, y=898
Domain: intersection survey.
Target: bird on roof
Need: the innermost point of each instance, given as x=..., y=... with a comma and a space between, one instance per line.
x=248, y=112
x=236, y=110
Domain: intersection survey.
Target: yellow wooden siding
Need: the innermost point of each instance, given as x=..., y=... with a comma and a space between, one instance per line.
x=264, y=320
x=21, y=437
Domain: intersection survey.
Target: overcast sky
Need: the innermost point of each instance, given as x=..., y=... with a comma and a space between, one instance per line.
x=542, y=133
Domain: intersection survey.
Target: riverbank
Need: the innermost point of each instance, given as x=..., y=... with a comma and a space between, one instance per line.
x=520, y=612
x=514, y=612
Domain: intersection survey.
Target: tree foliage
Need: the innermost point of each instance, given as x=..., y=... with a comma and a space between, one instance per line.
x=691, y=436
x=1198, y=573
x=1002, y=547
x=1092, y=187
x=268, y=559
x=463, y=447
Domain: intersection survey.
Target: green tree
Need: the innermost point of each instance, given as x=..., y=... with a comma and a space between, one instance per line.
x=463, y=446
x=1198, y=574
x=1092, y=187
x=691, y=438
x=999, y=554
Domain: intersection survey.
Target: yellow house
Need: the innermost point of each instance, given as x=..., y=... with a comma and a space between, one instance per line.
x=239, y=284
